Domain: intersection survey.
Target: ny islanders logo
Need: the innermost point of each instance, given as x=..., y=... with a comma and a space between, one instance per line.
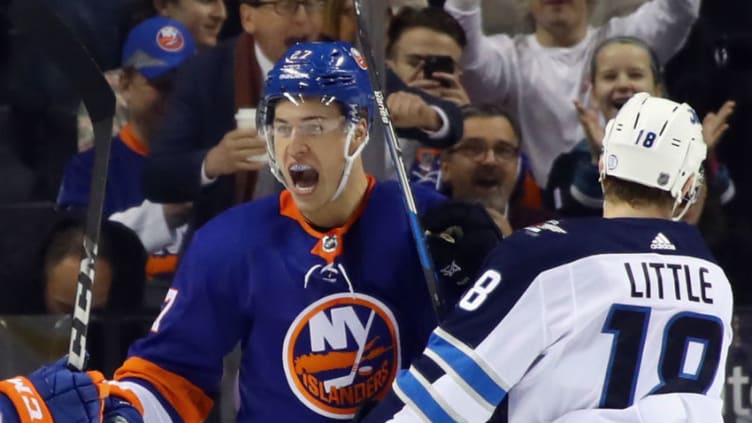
x=340, y=351
x=169, y=38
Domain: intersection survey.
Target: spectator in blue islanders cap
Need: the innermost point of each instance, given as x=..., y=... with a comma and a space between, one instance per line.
x=151, y=54
x=150, y=57
x=154, y=47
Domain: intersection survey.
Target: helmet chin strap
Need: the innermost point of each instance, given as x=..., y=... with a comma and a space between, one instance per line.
x=349, y=159
x=273, y=166
x=689, y=199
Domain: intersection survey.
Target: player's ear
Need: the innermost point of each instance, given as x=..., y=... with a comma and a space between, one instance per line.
x=360, y=135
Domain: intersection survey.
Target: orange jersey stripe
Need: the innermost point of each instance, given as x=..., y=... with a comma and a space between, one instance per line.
x=98, y=379
x=187, y=399
x=288, y=208
x=159, y=265
x=126, y=395
x=29, y=404
x=106, y=390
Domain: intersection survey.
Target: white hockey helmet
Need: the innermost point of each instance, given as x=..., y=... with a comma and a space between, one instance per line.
x=658, y=143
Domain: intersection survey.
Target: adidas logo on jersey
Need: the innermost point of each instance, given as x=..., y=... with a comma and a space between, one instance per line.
x=661, y=242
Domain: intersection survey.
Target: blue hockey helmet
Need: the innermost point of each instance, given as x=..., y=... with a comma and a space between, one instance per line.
x=329, y=72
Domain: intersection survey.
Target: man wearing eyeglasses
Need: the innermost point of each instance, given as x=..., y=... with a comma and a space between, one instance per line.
x=484, y=167
x=200, y=155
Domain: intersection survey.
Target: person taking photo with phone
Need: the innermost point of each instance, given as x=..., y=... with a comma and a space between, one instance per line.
x=423, y=48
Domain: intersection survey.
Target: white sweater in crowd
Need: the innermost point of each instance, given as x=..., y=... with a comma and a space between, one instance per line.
x=538, y=85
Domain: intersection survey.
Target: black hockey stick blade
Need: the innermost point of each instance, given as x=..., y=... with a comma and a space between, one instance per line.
x=395, y=153
x=51, y=36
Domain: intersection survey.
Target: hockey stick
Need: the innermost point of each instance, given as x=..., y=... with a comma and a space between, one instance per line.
x=395, y=152
x=45, y=30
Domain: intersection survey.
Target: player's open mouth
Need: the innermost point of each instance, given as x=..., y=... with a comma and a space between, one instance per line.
x=304, y=178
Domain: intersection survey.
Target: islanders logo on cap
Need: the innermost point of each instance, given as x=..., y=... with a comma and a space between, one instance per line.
x=169, y=38
x=341, y=351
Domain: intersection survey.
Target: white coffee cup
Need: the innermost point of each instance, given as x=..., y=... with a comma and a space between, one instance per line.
x=245, y=118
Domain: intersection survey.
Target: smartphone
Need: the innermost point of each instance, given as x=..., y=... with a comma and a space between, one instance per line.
x=433, y=64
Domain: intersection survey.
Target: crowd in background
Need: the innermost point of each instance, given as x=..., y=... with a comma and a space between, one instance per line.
x=511, y=121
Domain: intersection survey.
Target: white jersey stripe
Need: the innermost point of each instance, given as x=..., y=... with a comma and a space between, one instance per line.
x=468, y=369
x=458, y=380
x=472, y=354
x=410, y=410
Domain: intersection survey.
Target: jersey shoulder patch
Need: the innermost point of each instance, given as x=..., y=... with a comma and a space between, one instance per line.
x=549, y=225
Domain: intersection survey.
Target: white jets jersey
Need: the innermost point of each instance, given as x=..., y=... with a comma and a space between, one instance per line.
x=596, y=320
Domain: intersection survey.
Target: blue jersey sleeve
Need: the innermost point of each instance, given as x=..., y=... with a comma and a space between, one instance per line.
x=205, y=314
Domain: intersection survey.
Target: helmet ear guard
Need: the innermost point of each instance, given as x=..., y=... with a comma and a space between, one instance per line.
x=657, y=143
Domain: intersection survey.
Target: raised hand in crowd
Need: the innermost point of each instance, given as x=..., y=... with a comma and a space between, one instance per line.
x=239, y=150
x=714, y=124
x=424, y=47
x=443, y=85
x=504, y=69
x=589, y=118
x=409, y=110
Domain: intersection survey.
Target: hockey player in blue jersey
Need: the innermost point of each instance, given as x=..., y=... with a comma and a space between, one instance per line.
x=321, y=285
x=625, y=318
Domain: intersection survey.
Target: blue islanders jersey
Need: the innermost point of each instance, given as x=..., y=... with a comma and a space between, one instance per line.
x=592, y=320
x=325, y=320
x=123, y=177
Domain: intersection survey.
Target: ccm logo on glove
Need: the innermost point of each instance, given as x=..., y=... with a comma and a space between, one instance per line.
x=23, y=395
